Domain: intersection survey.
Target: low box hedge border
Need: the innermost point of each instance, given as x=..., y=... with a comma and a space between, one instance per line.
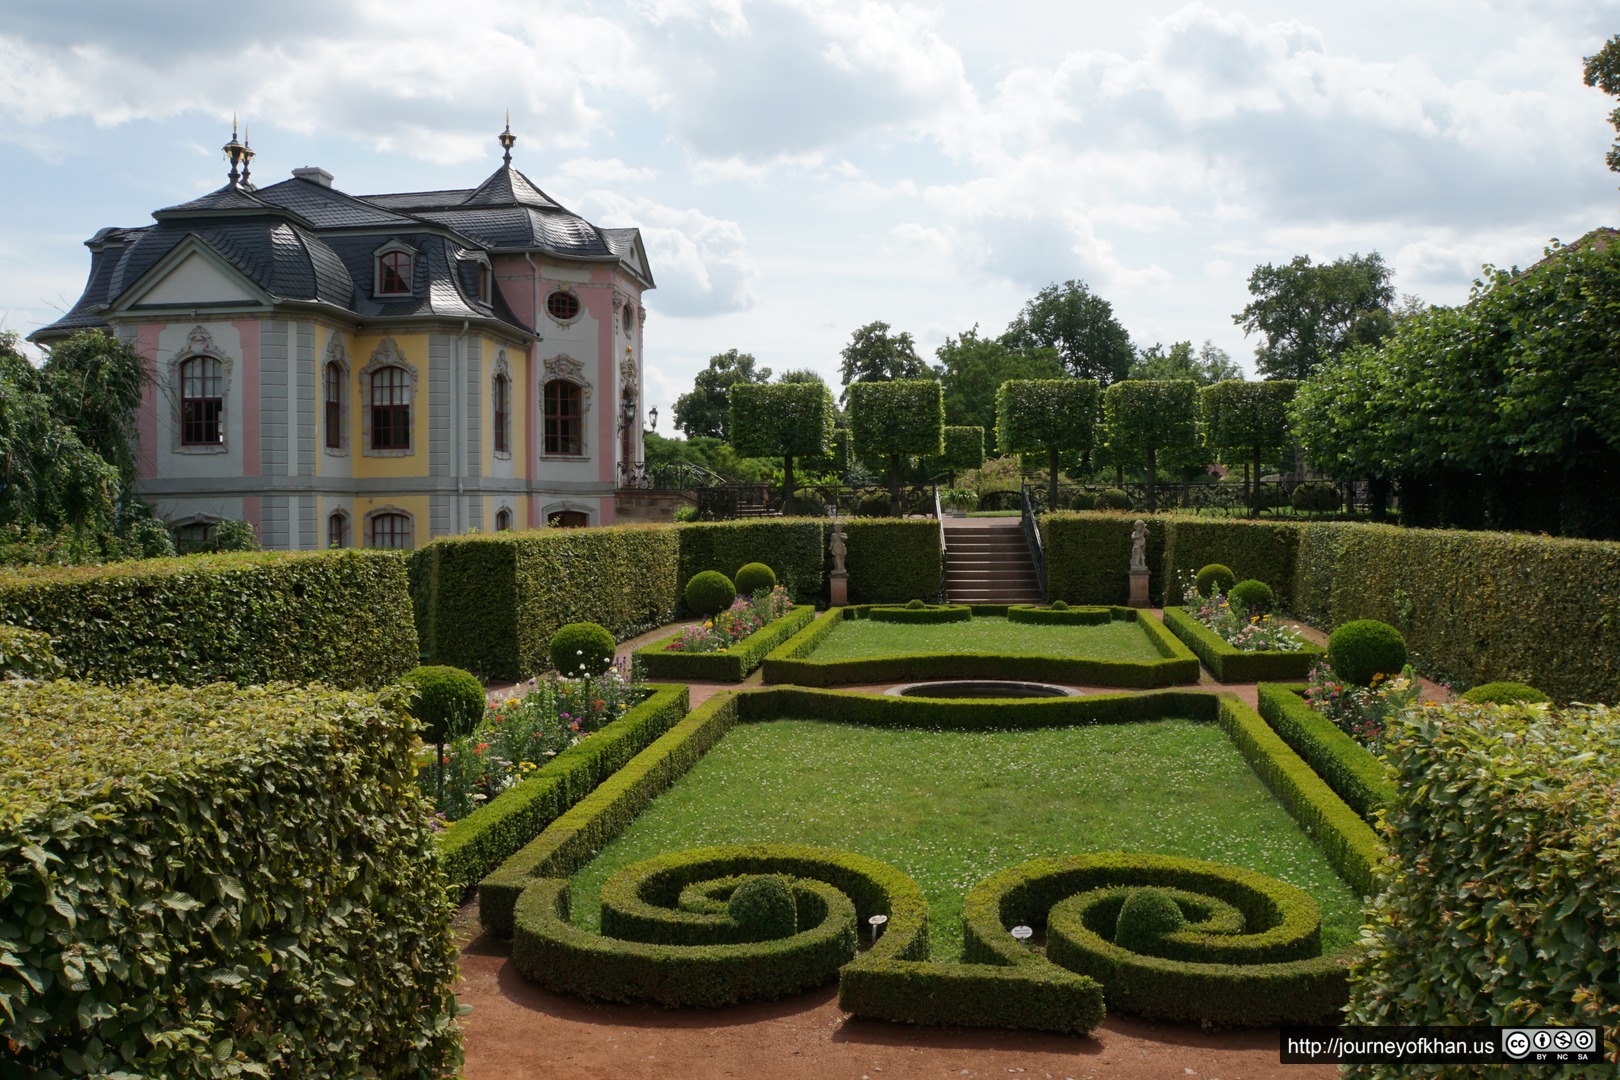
x=936, y=613
x=478, y=843
x=1358, y=776
x=1230, y=664
x=894, y=981
x=790, y=664
x=1074, y=616
x=733, y=665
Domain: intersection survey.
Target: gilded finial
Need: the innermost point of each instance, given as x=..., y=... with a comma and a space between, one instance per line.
x=507, y=139
x=234, y=151
x=247, y=156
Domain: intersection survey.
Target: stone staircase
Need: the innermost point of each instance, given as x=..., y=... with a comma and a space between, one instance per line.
x=989, y=565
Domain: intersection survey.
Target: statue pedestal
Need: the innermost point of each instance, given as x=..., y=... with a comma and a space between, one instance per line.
x=840, y=587
x=1139, y=589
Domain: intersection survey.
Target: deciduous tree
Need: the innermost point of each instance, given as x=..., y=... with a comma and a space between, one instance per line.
x=1603, y=71
x=1309, y=314
x=785, y=420
x=705, y=410
x=895, y=419
x=1051, y=415
x=1249, y=417
x=1146, y=416
x=972, y=369
x=875, y=355
x=1080, y=325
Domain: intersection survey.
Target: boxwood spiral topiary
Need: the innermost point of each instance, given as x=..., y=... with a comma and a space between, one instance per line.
x=1147, y=916
x=1215, y=578
x=1255, y=596
x=709, y=593
x=582, y=648
x=764, y=907
x=1366, y=647
x=754, y=577
x=1505, y=693
x=449, y=701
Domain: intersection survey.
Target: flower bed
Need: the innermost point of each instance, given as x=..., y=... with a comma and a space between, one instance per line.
x=1362, y=712
x=1232, y=663
x=729, y=646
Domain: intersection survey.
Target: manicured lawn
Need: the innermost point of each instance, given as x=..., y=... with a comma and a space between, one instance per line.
x=951, y=808
x=859, y=638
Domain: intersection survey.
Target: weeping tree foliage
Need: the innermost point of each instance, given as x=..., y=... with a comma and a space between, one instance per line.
x=785, y=420
x=1145, y=416
x=1248, y=417
x=1502, y=413
x=894, y=420
x=1051, y=415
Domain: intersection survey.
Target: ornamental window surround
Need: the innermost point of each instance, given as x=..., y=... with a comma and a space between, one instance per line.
x=388, y=386
x=565, y=418
x=503, y=519
x=337, y=530
x=389, y=528
x=395, y=270
x=563, y=306
x=202, y=402
x=500, y=396
x=335, y=398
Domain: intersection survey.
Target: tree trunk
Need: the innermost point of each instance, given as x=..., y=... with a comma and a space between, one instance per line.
x=1051, y=479
x=787, y=484
x=894, y=485
x=1378, y=495
x=1153, y=479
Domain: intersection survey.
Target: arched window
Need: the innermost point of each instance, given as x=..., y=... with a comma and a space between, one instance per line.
x=390, y=409
x=332, y=391
x=394, y=273
x=501, y=404
x=503, y=519
x=202, y=402
x=568, y=519
x=337, y=530
x=564, y=416
x=389, y=529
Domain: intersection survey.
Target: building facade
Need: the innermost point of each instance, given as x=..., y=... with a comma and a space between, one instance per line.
x=378, y=370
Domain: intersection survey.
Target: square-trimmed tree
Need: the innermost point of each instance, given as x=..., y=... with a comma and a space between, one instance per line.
x=894, y=420
x=964, y=449
x=1053, y=415
x=1248, y=416
x=1145, y=416
x=785, y=420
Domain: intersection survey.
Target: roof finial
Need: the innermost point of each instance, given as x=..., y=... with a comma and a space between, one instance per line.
x=237, y=154
x=507, y=139
x=247, y=156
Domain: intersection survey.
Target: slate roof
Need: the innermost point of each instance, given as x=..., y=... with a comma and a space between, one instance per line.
x=299, y=240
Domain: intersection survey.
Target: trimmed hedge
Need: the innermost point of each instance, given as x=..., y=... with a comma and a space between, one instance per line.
x=490, y=603
x=27, y=654
x=1088, y=557
x=1354, y=773
x=892, y=560
x=972, y=714
x=218, y=882
x=1504, y=693
x=1231, y=664
x=1347, y=841
x=892, y=419
x=796, y=548
x=338, y=617
x=935, y=613
x=478, y=843
x=1499, y=902
x=964, y=448
x=1249, y=957
x=448, y=702
x=1072, y=616
x=569, y=842
x=709, y=593
x=734, y=664
x=1263, y=550
x=792, y=662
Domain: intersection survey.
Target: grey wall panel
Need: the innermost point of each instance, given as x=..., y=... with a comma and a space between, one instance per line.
x=478, y=388
x=273, y=522
x=309, y=534
x=441, y=359
x=307, y=397
x=440, y=508
x=272, y=396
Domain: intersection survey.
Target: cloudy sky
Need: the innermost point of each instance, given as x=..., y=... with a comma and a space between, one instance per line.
x=801, y=167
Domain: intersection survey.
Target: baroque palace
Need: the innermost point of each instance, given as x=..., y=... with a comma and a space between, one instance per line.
x=376, y=370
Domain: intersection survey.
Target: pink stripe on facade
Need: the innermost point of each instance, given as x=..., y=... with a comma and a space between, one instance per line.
x=599, y=302
x=251, y=453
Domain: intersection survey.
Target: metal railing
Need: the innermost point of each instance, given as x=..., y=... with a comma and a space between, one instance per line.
x=939, y=516
x=1032, y=535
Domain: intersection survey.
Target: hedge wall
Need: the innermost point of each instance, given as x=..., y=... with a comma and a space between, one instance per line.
x=795, y=548
x=1499, y=903
x=490, y=603
x=1356, y=775
x=27, y=654
x=1264, y=550
x=1483, y=607
x=1088, y=556
x=891, y=560
x=1230, y=664
x=219, y=882
x=338, y=617
x=478, y=843
x=733, y=665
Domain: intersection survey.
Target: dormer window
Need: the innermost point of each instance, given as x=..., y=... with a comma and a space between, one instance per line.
x=484, y=277
x=393, y=274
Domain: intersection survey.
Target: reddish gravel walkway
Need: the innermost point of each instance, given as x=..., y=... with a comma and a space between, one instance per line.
x=516, y=1029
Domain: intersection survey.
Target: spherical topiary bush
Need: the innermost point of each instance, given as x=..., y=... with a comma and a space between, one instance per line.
x=1366, y=647
x=582, y=648
x=1113, y=499
x=764, y=908
x=1215, y=578
x=1146, y=916
x=755, y=577
x=1255, y=596
x=915, y=605
x=1505, y=693
x=1316, y=496
x=709, y=593
x=1083, y=500
x=1059, y=605
x=449, y=701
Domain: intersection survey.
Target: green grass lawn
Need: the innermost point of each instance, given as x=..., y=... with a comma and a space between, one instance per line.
x=951, y=808
x=855, y=639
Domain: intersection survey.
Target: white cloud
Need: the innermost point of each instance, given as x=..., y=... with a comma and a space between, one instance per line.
x=701, y=262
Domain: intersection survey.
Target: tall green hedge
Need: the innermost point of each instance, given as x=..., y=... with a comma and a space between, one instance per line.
x=892, y=560
x=1499, y=903
x=795, y=549
x=964, y=448
x=1264, y=550
x=905, y=416
x=1046, y=414
x=339, y=617
x=490, y=603
x=218, y=882
x=1088, y=557
x=787, y=420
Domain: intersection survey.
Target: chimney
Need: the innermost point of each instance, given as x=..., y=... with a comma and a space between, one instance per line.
x=314, y=174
